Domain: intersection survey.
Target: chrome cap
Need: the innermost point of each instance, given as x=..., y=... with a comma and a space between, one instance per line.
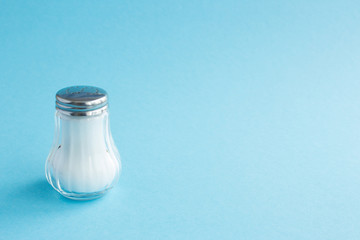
x=81, y=100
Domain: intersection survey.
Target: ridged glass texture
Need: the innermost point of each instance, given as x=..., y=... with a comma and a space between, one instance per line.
x=84, y=162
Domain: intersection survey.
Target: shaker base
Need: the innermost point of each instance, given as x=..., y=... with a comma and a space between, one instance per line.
x=84, y=196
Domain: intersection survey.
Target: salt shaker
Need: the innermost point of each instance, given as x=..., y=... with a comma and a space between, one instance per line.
x=83, y=162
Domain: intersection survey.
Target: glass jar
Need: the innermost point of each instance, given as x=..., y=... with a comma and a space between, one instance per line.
x=84, y=162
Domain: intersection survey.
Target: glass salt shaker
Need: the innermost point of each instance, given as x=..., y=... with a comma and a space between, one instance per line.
x=84, y=162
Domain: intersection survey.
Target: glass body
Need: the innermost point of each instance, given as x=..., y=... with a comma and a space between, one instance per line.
x=83, y=162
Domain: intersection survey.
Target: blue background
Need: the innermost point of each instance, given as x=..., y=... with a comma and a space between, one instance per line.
x=234, y=119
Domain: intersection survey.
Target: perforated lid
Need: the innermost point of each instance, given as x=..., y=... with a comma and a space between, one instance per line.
x=81, y=100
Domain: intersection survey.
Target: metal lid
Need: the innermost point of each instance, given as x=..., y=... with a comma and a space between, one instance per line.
x=81, y=100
